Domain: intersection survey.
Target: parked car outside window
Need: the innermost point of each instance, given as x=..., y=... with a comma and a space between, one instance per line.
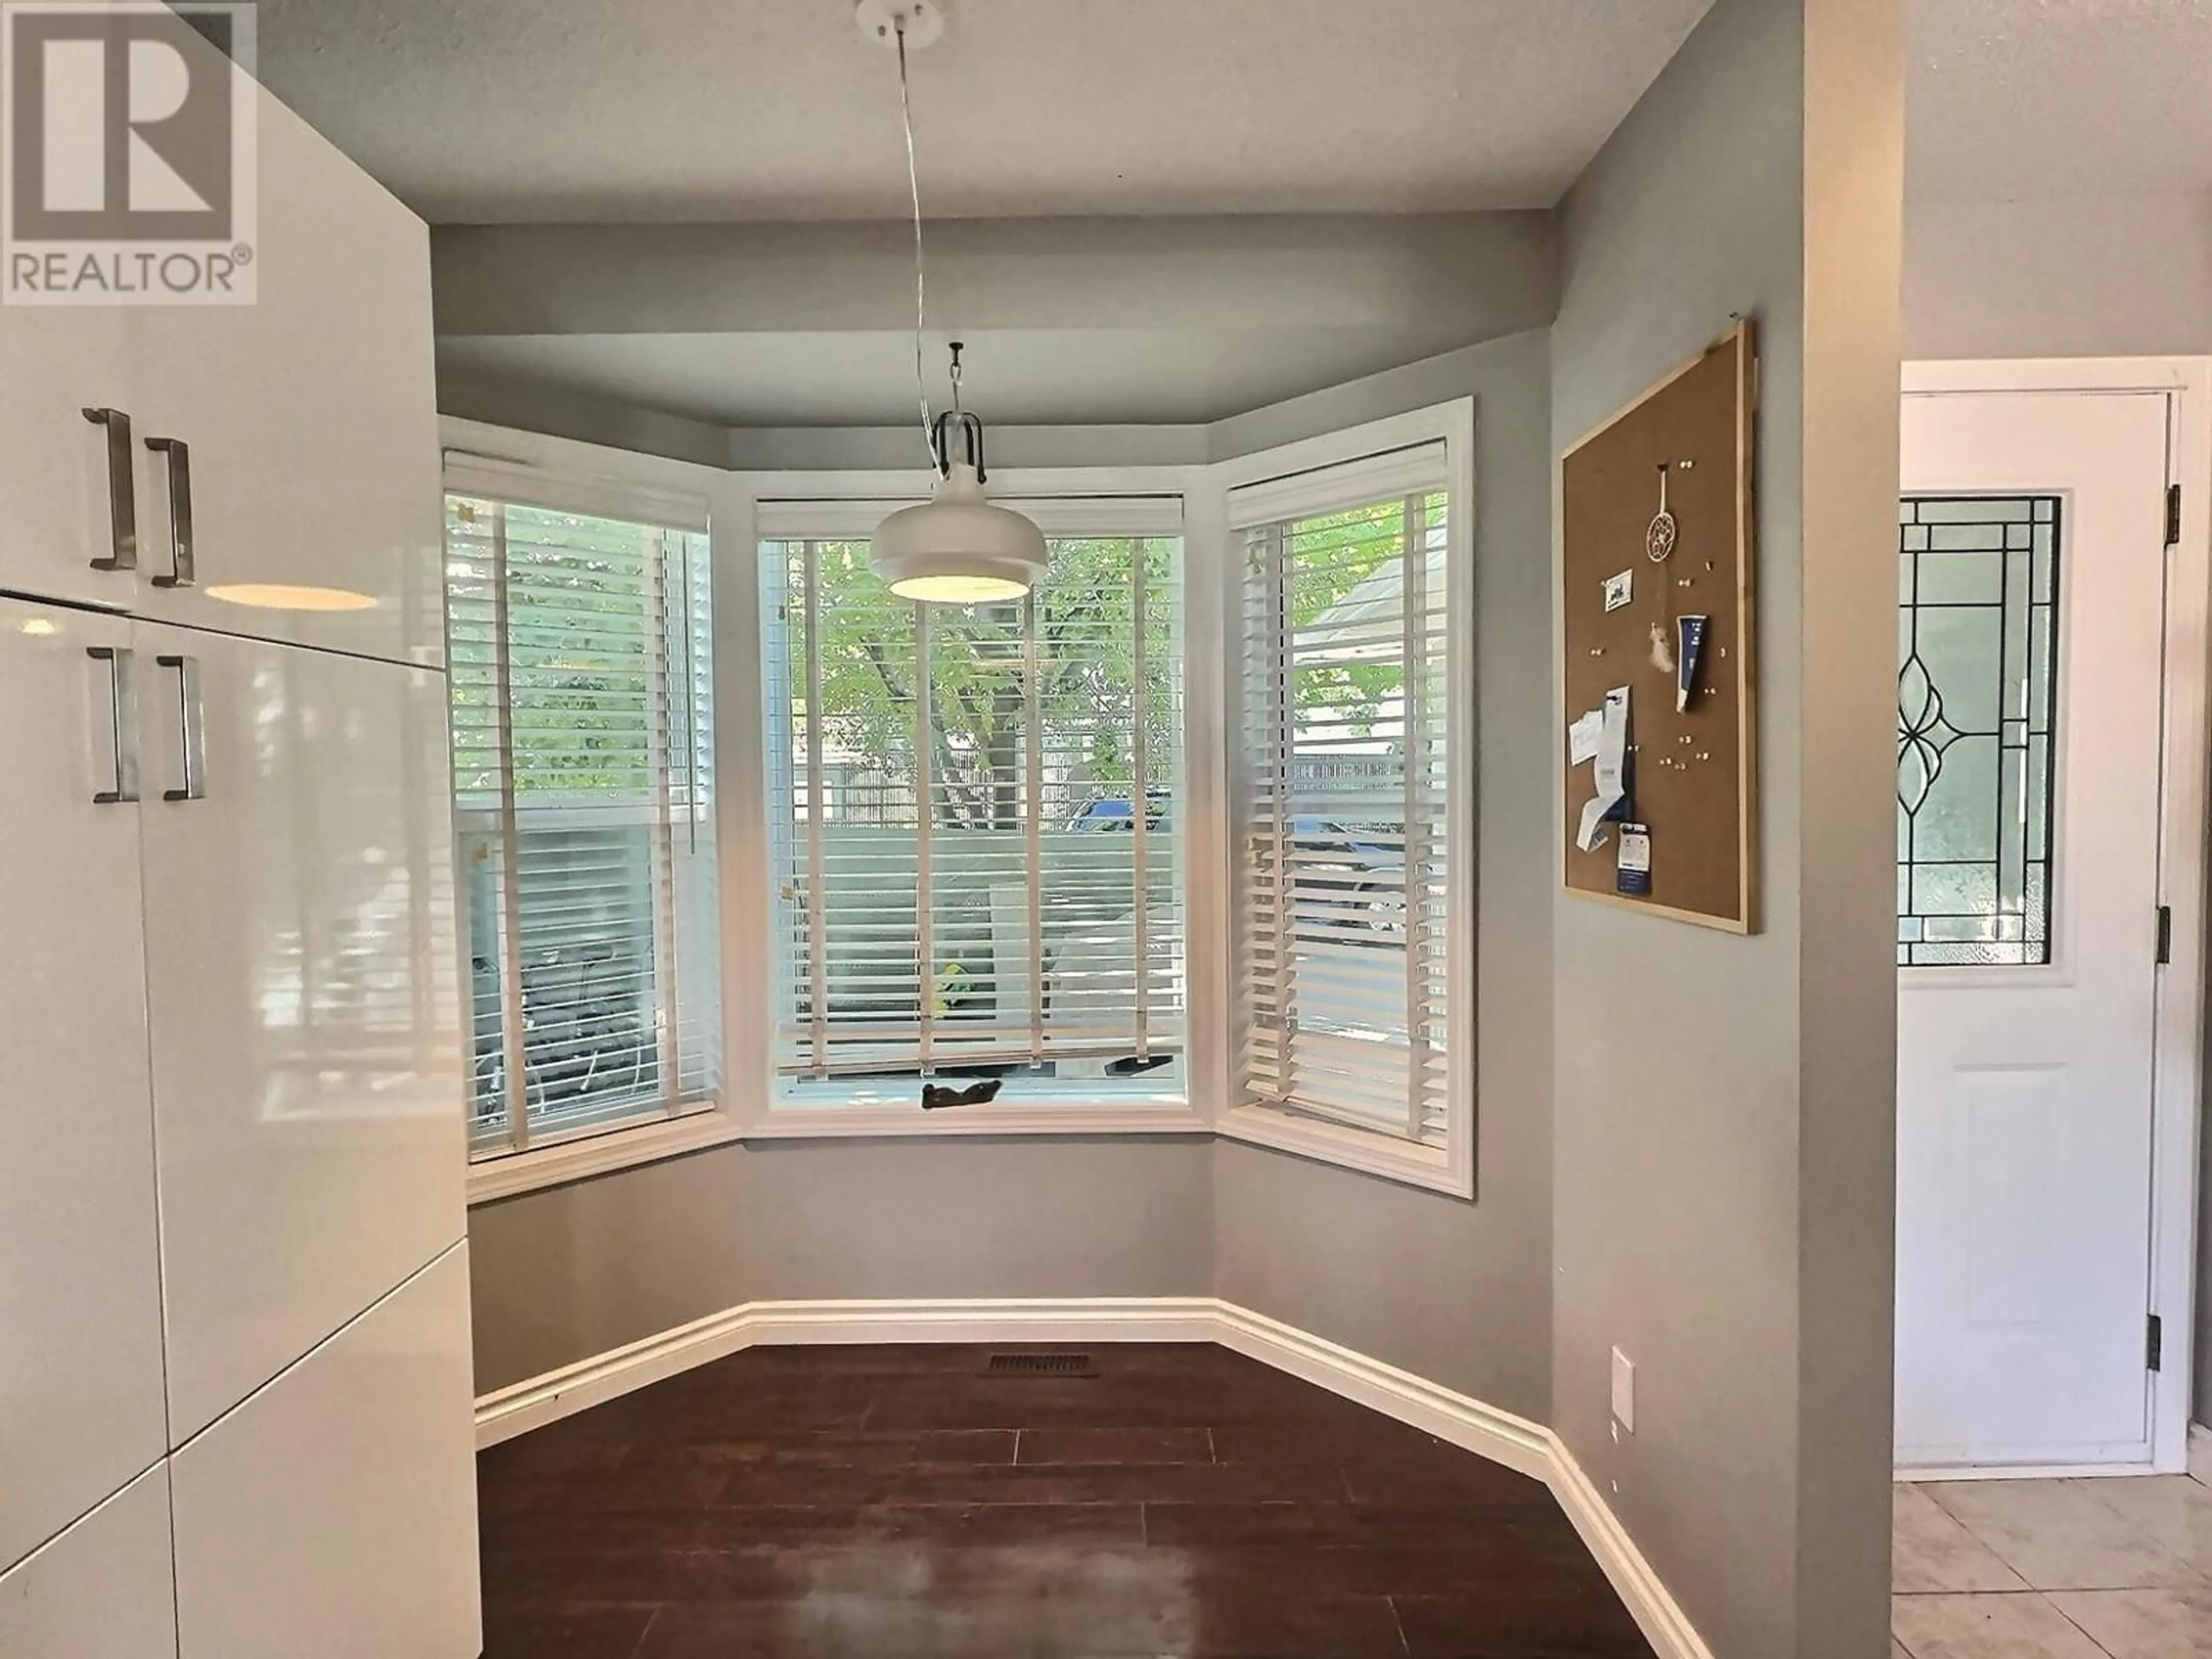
x=1355, y=877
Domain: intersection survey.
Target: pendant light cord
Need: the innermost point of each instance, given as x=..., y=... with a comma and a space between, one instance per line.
x=920, y=271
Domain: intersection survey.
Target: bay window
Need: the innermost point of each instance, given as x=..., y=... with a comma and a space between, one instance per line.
x=1181, y=841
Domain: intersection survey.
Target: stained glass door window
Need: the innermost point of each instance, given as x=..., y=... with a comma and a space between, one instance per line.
x=1977, y=707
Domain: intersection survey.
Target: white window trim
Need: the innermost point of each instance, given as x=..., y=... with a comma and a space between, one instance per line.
x=1450, y=1169
x=562, y=473
x=1067, y=501
x=566, y=476
x=741, y=504
x=619, y=1146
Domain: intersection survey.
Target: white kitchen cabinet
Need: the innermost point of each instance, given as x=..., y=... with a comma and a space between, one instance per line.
x=103, y=1589
x=244, y=450
x=81, y=1392
x=232, y=1138
x=302, y=983
x=62, y=521
x=309, y=419
x=321, y=1517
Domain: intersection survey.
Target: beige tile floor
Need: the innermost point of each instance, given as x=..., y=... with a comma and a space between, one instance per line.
x=2108, y=1568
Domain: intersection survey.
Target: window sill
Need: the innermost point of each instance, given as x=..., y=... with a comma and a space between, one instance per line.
x=513, y=1174
x=829, y=1122
x=557, y=1165
x=1362, y=1150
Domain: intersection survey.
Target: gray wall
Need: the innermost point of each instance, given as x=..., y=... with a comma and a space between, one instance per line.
x=1724, y=1106
x=1461, y=275
x=2114, y=276
x=1454, y=1291
x=531, y=406
x=763, y=327
x=559, y=1275
x=562, y=1274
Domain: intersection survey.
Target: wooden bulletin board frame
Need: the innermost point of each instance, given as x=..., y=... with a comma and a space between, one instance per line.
x=1693, y=776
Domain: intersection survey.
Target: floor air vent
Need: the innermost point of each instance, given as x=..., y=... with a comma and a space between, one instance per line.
x=1040, y=1364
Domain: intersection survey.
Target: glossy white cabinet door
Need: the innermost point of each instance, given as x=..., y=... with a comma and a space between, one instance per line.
x=309, y=417
x=333, y=1514
x=101, y=1591
x=55, y=363
x=302, y=983
x=81, y=1402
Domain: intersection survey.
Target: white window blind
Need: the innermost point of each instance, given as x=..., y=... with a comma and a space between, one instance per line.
x=1343, y=872
x=579, y=653
x=976, y=847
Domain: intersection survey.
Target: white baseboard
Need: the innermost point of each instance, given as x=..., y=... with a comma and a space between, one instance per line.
x=1519, y=1444
x=533, y=1403
x=1938, y=1475
x=1091, y=1319
x=536, y=1401
x=1524, y=1447
x=1662, y=1621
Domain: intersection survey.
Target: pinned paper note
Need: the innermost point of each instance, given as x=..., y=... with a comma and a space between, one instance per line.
x=1619, y=590
x=1611, y=770
x=1582, y=737
x=1632, y=873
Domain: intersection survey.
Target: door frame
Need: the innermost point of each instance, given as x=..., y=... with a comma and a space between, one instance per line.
x=2178, y=1051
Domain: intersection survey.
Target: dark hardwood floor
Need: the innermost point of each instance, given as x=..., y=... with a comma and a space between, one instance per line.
x=895, y=1501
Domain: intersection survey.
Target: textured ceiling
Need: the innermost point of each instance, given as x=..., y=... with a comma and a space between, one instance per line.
x=515, y=111
x=2025, y=99
x=503, y=110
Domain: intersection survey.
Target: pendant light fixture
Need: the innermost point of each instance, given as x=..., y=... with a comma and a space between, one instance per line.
x=958, y=548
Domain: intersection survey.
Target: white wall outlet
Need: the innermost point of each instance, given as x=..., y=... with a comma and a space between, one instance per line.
x=1624, y=1391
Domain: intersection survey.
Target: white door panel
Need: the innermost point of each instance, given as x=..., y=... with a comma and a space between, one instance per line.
x=309, y=417
x=81, y=1400
x=103, y=1589
x=301, y=985
x=2025, y=1085
x=334, y=1514
x=55, y=363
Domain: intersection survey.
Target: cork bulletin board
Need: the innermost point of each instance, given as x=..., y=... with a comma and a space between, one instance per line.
x=1681, y=841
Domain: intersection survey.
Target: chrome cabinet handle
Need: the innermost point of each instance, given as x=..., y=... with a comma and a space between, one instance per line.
x=123, y=722
x=178, y=455
x=122, y=499
x=192, y=729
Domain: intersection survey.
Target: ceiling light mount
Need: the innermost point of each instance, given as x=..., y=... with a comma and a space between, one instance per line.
x=956, y=548
x=883, y=21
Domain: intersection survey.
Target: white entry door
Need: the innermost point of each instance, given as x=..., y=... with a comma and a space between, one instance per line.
x=2032, y=567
